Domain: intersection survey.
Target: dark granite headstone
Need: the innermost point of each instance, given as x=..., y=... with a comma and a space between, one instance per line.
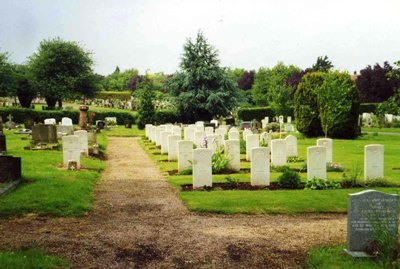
x=42, y=133
x=10, y=168
x=369, y=211
x=100, y=124
x=128, y=124
x=3, y=146
x=28, y=123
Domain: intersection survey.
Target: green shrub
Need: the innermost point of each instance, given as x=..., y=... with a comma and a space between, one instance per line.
x=306, y=105
x=289, y=179
x=322, y=184
x=146, y=110
x=334, y=167
x=368, y=108
x=188, y=171
x=273, y=126
x=242, y=146
x=232, y=181
x=166, y=116
x=219, y=162
x=258, y=113
x=114, y=95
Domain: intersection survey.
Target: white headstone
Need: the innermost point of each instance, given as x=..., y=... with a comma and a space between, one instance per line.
x=189, y=133
x=66, y=121
x=169, y=127
x=214, y=142
x=176, y=130
x=233, y=136
x=291, y=146
x=199, y=139
x=289, y=119
x=373, y=161
x=265, y=138
x=50, y=121
x=111, y=120
x=159, y=130
x=280, y=119
x=83, y=141
x=209, y=130
x=260, y=174
x=147, y=130
x=252, y=141
x=232, y=152
x=202, y=171
x=278, y=152
x=71, y=150
x=326, y=142
x=221, y=132
x=389, y=117
x=199, y=128
x=215, y=122
x=246, y=132
x=316, y=164
x=173, y=147
x=164, y=142
x=233, y=129
x=185, y=155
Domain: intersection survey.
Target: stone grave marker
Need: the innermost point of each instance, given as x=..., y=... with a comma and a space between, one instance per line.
x=66, y=121
x=252, y=141
x=291, y=146
x=199, y=139
x=176, y=130
x=71, y=150
x=234, y=136
x=159, y=130
x=173, y=147
x=83, y=141
x=246, y=132
x=42, y=133
x=232, y=152
x=111, y=120
x=147, y=130
x=28, y=123
x=92, y=138
x=185, y=154
x=326, y=142
x=260, y=173
x=215, y=122
x=221, y=132
x=278, y=152
x=316, y=164
x=50, y=121
x=265, y=138
x=214, y=142
x=373, y=161
x=164, y=142
x=10, y=124
x=233, y=129
x=83, y=116
x=369, y=211
x=202, y=172
x=10, y=168
x=100, y=124
x=245, y=125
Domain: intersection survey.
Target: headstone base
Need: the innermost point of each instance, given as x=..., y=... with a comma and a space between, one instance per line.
x=358, y=254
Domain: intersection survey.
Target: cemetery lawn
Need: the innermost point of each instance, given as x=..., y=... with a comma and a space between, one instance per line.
x=348, y=153
x=122, y=131
x=333, y=258
x=30, y=259
x=47, y=188
x=381, y=130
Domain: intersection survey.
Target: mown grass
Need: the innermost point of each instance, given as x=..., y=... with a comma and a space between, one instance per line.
x=47, y=187
x=334, y=258
x=30, y=259
x=381, y=130
x=349, y=153
x=122, y=131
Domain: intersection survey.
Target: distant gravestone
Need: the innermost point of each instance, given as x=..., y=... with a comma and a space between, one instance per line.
x=209, y=130
x=260, y=173
x=10, y=124
x=214, y=142
x=164, y=142
x=83, y=141
x=278, y=152
x=327, y=143
x=252, y=141
x=66, y=121
x=71, y=150
x=245, y=133
x=50, y=121
x=202, y=172
x=221, y=132
x=65, y=129
x=291, y=146
x=233, y=136
x=373, y=161
x=159, y=130
x=176, y=130
x=10, y=168
x=265, y=139
x=215, y=122
x=100, y=124
x=289, y=128
x=245, y=125
x=199, y=139
x=185, y=154
x=173, y=147
x=316, y=164
x=233, y=129
x=232, y=152
x=289, y=119
x=42, y=133
x=188, y=133
x=368, y=212
x=111, y=120
x=28, y=123
x=92, y=138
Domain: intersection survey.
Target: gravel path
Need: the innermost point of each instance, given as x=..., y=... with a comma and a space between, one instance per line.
x=138, y=221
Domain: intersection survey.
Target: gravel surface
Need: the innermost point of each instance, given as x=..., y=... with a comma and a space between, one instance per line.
x=138, y=221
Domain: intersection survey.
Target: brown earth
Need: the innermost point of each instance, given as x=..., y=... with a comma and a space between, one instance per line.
x=138, y=221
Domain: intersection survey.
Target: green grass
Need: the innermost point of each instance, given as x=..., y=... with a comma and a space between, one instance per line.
x=48, y=189
x=92, y=108
x=334, y=258
x=122, y=131
x=349, y=153
x=381, y=130
x=30, y=259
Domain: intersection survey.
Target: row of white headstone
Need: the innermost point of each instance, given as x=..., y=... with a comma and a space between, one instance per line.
x=74, y=146
x=64, y=121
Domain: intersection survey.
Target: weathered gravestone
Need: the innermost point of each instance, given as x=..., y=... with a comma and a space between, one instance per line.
x=245, y=133
x=65, y=129
x=83, y=141
x=28, y=123
x=373, y=161
x=199, y=139
x=45, y=134
x=252, y=141
x=173, y=147
x=100, y=124
x=3, y=144
x=50, y=121
x=232, y=152
x=176, y=130
x=278, y=152
x=83, y=116
x=185, y=155
x=92, y=138
x=111, y=120
x=10, y=168
x=221, y=132
x=327, y=143
x=10, y=124
x=202, y=172
x=260, y=173
x=316, y=164
x=234, y=136
x=209, y=130
x=66, y=121
x=291, y=146
x=71, y=150
x=370, y=212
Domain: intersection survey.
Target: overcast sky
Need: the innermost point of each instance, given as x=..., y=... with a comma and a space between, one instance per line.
x=149, y=35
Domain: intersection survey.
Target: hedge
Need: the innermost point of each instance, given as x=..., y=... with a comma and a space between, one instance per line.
x=258, y=113
x=368, y=108
x=20, y=114
x=166, y=116
x=114, y=95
